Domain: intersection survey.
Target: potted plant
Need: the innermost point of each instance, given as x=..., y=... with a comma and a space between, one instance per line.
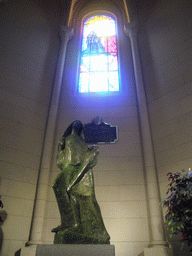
x=179, y=206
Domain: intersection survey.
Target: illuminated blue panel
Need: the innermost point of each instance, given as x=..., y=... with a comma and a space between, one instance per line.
x=113, y=63
x=114, y=81
x=85, y=64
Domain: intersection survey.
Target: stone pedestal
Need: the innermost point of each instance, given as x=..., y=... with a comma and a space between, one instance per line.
x=69, y=250
x=158, y=251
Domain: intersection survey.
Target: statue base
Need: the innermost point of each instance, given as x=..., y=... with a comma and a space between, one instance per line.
x=69, y=250
x=69, y=237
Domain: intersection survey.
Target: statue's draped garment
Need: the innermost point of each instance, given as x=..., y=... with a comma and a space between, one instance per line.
x=81, y=220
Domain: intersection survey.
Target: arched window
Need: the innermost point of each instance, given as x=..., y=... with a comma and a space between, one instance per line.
x=99, y=69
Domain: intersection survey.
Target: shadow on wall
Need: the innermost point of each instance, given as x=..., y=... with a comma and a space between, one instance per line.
x=3, y=217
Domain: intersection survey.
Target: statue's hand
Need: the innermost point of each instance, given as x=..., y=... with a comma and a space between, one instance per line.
x=91, y=156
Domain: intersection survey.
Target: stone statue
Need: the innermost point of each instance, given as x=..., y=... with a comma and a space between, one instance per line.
x=81, y=220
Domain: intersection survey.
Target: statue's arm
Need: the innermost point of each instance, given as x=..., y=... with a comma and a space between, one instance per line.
x=89, y=162
x=62, y=162
x=84, y=169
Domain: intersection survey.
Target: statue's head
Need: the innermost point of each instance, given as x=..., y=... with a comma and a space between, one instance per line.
x=73, y=144
x=72, y=148
x=77, y=127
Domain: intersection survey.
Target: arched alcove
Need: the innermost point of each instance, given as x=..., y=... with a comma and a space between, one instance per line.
x=119, y=164
x=80, y=9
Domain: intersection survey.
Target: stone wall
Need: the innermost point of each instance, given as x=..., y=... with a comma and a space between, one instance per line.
x=166, y=50
x=28, y=55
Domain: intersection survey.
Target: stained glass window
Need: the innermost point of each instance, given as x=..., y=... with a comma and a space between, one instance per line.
x=99, y=70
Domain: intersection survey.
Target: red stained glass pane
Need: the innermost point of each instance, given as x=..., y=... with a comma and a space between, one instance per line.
x=112, y=45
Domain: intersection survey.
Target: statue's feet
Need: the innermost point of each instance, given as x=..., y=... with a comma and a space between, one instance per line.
x=57, y=229
x=75, y=228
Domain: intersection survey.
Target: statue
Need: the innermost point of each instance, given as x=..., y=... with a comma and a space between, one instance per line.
x=81, y=220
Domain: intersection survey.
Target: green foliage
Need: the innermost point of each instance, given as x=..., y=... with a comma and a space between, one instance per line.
x=179, y=206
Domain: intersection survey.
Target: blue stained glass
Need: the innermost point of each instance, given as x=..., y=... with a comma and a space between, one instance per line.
x=113, y=63
x=85, y=64
x=99, y=55
x=113, y=81
x=84, y=44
